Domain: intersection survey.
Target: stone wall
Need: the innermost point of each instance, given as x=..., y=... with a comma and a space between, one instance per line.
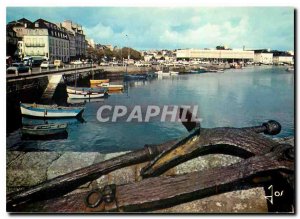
x=31, y=168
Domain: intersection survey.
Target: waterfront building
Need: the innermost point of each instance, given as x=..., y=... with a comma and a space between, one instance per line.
x=46, y=39
x=282, y=57
x=212, y=55
x=263, y=56
x=20, y=27
x=80, y=42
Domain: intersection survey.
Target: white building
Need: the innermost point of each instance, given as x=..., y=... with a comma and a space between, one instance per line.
x=48, y=40
x=263, y=58
x=281, y=59
x=224, y=55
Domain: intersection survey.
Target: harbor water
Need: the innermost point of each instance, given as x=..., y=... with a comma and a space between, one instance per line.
x=235, y=98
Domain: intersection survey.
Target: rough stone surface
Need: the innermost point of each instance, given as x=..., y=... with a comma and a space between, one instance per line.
x=69, y=162
x=206, y=162
x=122, y=176
x=29, y=169
x=242, y=201
x=12, y=155
x=112, y=155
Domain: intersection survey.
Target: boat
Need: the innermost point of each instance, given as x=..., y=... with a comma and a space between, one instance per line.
x=49, y=111
x=78, y=90
x=99, y=81
x=83, y=101
x=45, y=129
x=86, y=95
x=135, y=76
x=173, y=72
x=163, y=73
x=290, y=69
x=111, y=87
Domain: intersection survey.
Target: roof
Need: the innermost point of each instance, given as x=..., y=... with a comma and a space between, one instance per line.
x=53, y=29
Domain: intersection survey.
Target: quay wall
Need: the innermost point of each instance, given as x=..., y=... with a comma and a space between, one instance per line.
x=24, y=169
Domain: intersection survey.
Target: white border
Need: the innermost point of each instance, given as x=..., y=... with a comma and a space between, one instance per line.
x=116, y=3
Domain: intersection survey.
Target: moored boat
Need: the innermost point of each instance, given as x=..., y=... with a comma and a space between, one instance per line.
x=111, y=87
x=290, y=69
x=135, y=77
x=49, y=111
x=78, y=90
x=44, y=130
x=86, y=95
x=174, y=73
x=99, y=81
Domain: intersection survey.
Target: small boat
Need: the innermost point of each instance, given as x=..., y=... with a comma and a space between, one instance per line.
x=290, y=69
x=44, y=130
x=78, y=90
x=135, y=77
x=111, y=87
x=49, y=111
x=163, y=73
x=86, y=95
x=174, y=72
x=99, y=81
x=83, y=101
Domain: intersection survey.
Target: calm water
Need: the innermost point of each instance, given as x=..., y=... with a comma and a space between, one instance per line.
x=235, y=98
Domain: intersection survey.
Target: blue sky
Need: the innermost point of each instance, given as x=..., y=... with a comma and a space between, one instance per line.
x=178, y=27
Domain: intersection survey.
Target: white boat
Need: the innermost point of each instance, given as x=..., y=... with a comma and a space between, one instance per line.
x=78, y=90
x=163, y=73
x=111, y=87
x=49, y=111
x=290, y=69
x=173, y=72
x=85, y=95
x=82, y=101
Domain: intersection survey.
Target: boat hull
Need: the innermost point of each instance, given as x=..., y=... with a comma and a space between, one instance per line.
x=85, y=95
x=45, y=111
x=79, y=90
x=99, y=81
x=44, y=130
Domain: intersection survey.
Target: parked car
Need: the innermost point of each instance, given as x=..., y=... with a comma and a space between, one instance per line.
x=47, y=64
x=77, y=62
x=104, y=64
x=58, y=63
x=17, y=67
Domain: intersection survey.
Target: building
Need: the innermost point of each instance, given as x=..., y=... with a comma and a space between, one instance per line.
x=80, y=41
x=282, y=57
x=263, y=56
x=46, y=39
x=20, y=27
x=212, y=55
x=11, y=41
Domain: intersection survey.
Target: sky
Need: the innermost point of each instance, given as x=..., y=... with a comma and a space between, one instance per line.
x=174, y=28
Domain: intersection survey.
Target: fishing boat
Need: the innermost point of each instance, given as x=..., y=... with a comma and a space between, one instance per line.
x=111, y=87
x=99, y=81
x=78, y=90
x=86, y=95
x=44, y=130
x=49, y=111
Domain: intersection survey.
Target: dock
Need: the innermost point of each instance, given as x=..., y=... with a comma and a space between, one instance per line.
x=47, y=96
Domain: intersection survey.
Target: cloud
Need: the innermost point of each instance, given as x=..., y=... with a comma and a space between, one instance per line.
x=170, y=28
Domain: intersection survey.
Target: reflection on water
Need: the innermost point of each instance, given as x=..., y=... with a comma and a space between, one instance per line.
x=236, y=98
